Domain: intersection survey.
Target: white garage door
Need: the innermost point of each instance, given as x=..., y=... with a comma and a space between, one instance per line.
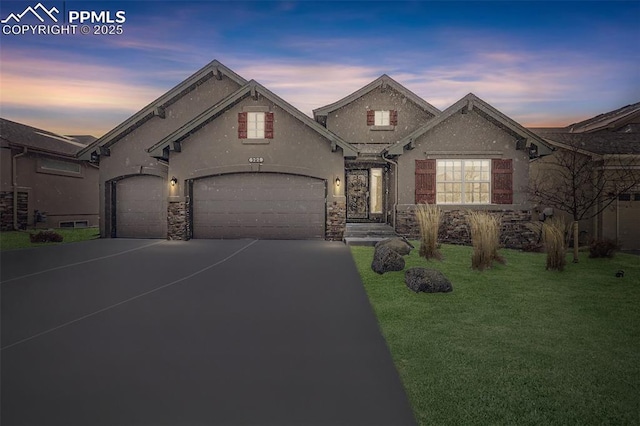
x=141, y=207
x=259, y=205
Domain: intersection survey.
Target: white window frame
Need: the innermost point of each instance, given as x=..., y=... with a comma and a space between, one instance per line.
x=446, y=191
x=382, y=118
x=256, y=125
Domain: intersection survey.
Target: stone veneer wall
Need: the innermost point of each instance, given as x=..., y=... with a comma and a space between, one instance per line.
x=455, y=230
x=6, y=210
x=178, y=221
x=336, y=221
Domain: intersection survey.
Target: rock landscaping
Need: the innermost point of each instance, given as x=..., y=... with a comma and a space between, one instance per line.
x=427, y=281
x=386, y=259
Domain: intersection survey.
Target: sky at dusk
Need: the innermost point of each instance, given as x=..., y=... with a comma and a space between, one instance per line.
x=543, y=63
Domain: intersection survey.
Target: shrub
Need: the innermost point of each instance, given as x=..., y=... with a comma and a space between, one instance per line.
x=429, y=216
x=553, y=238
x=485, y=238
x=603, y=248
x=46, y=237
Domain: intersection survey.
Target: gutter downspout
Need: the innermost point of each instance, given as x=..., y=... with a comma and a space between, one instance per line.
x=395, y=195
x=14, y=167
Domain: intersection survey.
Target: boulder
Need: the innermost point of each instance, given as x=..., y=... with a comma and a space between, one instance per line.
x=399, y=245
x=427, y=280
x=386, y=259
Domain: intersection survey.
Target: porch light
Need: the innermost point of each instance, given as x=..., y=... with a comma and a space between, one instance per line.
x=338, y=182
x=174, y=180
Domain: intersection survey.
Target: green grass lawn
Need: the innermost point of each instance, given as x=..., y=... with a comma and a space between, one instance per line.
x=20, y=239
x=515, y=344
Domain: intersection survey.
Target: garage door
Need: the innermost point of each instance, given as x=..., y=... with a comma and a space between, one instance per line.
x=259, y=205
x=141, y=208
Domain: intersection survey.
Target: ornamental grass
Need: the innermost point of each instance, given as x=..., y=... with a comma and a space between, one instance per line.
x=429, y=217
x=485, y=238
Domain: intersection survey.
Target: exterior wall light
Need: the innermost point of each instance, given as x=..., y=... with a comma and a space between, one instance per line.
x=338, y=182
x=174, y=180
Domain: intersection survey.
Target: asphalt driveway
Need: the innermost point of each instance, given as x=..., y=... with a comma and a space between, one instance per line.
x=203, y=332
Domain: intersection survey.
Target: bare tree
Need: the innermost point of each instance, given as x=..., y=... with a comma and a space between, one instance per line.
x=582, y=183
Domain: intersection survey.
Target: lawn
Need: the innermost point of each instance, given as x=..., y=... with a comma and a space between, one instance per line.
x=20, y=239
x=515, y=344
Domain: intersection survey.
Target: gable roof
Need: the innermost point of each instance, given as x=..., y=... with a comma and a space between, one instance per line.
x=611, y=120
x=383, y=81
x=212, y=69
x=468, y=103
x=252, y=88
x=18, y=134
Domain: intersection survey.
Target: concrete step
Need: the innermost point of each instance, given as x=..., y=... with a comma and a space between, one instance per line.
x=367, y=234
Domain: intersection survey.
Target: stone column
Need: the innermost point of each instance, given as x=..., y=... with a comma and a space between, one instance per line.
x=178, y=221
x=336, y=220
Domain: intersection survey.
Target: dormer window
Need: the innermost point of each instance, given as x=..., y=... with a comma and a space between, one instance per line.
x=382, y=119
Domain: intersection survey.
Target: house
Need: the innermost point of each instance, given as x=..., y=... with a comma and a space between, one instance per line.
x=42, y=183
x=610, y=145
x=222, y=157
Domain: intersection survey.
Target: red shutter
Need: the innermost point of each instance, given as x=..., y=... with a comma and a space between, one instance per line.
x=371, y=118
x=426, y=181
x=393, y=117
x=502, y=181
x=242, y=125
x=268, y=125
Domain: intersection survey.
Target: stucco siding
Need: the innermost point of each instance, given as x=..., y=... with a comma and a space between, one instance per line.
x=350, y=121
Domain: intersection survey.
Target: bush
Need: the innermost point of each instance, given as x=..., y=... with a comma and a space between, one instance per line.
x=553, y=238
x=46, y=237
x=429, y=216
x=603, y=248
x=485, y=238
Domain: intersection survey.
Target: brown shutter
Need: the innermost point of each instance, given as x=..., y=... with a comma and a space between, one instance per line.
x=426, y=181
x=371, y=117
x=502, y=181
x=268, y=125
x=242, y=125
x=393, y=117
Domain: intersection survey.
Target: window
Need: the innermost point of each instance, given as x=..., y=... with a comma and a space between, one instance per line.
x=382, y=118
x=375, y=188
x=463, y=182
x=74, y=224
x=59, y=167
x=255, y=125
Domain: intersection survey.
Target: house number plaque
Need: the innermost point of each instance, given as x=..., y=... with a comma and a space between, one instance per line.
x=256, y=160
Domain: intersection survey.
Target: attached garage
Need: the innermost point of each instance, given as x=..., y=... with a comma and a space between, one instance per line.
x=259, y=205
x=140, y=207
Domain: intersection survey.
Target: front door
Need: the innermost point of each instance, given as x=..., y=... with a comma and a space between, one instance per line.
x=357, y=194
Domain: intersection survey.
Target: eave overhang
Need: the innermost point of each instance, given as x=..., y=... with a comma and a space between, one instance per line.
x=213, y=69
x=525, y=139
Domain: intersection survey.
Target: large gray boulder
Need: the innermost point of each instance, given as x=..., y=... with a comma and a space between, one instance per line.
x=399, y=245
x=386, y=259
x=427, y=280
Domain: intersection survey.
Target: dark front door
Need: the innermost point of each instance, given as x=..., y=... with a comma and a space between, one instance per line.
x=357, y=194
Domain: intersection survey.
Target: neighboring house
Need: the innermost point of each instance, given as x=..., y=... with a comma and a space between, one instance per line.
x=611, y=142
x=220, y=157
x=42, y=183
